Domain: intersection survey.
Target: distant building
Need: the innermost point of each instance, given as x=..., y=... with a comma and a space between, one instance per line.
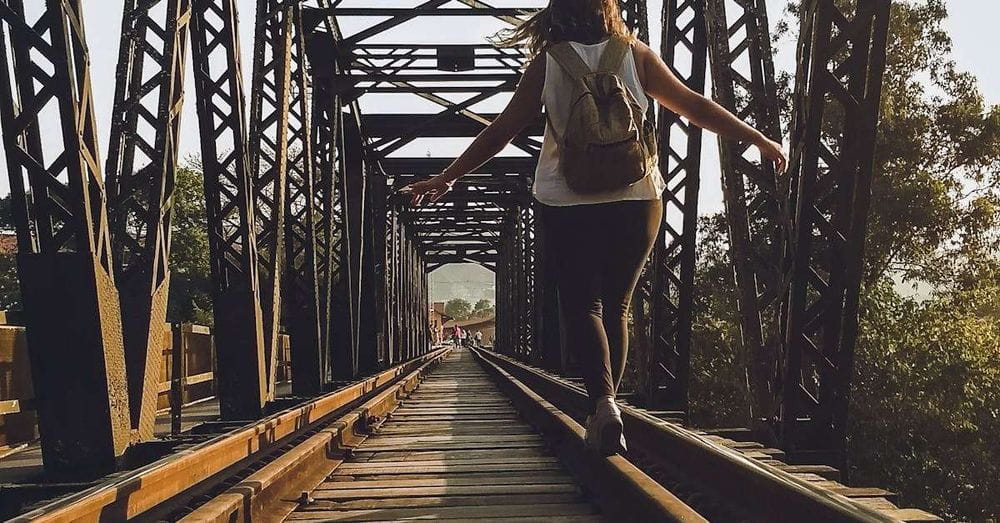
x=487, y=325
x=437, y=321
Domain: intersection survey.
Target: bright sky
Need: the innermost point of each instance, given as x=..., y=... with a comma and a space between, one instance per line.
x=969, y=26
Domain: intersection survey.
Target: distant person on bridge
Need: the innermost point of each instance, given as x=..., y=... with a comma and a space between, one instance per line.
x=597, y=178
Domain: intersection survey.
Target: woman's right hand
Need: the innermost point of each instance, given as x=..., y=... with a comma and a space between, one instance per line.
x=433, y=188
x=771, y=150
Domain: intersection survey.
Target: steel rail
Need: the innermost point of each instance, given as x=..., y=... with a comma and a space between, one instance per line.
x=767, y=492
x=270, y=493
x=134, y=493
x=625, y=491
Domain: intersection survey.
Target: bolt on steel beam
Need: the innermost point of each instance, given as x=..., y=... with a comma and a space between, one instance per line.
x=64, y=249
x=239, y=336
x=841, y=60
x=141, y=167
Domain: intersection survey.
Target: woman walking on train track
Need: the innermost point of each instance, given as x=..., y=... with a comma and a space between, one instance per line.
x=597, y=178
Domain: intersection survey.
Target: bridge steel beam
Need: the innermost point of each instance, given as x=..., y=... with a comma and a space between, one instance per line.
x=239, y=336
x=267, y=149
x=743, y=82
x=670, y=277
x=841, y=60
x=64, y=248
x=326, y=129
x=140, y=172
x=301, y=281
x=346, y=281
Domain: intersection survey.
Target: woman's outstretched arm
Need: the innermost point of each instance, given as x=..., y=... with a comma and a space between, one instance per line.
x=661, y=84
x=524, y=106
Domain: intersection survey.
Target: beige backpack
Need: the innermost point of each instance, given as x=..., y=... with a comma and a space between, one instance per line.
x=608, y=143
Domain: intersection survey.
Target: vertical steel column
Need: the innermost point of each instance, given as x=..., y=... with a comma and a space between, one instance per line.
x=684, y=49
x=238, y=326
x=345, y=304
x=64, y=248
x=141, y=164
x=268, y=153
x=743, y=83
x=301, y=281
x=326, y=124
x=547, y=338
x=380, y=279
x=368, y=313
x=526, y=281
x=397, y=282
x=839, y=82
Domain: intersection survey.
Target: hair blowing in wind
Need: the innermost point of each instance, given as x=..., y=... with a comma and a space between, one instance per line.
x=586, y=21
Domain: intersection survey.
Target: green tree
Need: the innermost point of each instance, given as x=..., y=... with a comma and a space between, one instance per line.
x=190, y=278
x=483, y=309
x=458, y=308
x=926, y=391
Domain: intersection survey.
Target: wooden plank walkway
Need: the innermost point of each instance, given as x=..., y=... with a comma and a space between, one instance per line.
x=455, y=449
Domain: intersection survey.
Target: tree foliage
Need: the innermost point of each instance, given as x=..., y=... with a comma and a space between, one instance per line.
x=925, y=409
x=190, y=277
x=458, y=308
x=483, y=309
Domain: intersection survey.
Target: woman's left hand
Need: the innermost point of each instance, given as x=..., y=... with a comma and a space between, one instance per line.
x=434, y=189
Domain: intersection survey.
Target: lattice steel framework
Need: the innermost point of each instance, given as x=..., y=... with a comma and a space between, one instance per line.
x=665, y=295
x=64, y=248
x=743, y=82
x=303, y=217
x=304, y=191
x=841, y=60
x=142, y=160
x=242, y=371
x=268, y=161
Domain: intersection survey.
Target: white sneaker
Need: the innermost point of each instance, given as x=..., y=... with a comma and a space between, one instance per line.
x=606, y=429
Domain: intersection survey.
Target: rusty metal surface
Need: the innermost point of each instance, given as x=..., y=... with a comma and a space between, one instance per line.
x=132, y=494
x=228, y=196
x=841, y=60
x=141, y=163
x=64, y=248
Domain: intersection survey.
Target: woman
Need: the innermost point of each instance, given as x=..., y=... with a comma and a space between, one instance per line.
x=599, y=241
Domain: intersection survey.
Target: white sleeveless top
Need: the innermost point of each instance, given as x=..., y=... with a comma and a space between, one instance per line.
x=550, y=185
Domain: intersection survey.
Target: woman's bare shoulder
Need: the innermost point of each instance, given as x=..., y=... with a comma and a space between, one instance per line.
x=642, y=55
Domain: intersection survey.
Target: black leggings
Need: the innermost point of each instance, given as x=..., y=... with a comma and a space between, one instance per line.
x=599, y=251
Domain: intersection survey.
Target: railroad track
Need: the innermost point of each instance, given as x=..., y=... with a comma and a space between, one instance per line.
x=461, y=434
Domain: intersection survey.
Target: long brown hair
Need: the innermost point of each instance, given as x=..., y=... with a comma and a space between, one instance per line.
x=585, y=21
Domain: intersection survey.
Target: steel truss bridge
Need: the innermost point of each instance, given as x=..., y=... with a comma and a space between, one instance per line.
x=308, y=233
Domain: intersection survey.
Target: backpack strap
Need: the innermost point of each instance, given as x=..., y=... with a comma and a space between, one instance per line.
x=567, y=58
x=614, y=55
